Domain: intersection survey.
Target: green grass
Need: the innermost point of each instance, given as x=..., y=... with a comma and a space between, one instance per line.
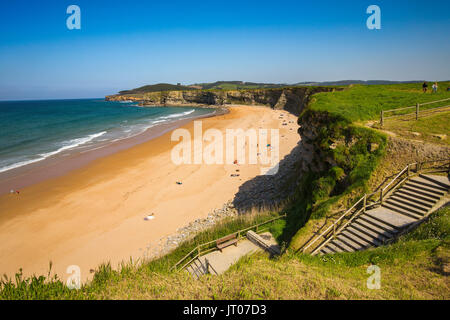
x=412, y=268
x=429, y=128
x=362, y=102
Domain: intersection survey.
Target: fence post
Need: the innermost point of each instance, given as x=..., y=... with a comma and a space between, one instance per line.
x=365, y=202
x=417, y=111
x=381, y=119
x=408, y=170
x=381, y=197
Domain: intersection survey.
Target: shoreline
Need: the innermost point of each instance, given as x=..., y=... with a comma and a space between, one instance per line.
x=95, y=214
x=59, y=165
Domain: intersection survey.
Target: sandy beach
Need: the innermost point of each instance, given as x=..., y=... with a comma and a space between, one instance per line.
x=95, y=213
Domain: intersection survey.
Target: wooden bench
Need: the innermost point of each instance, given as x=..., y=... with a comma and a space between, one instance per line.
x=227, y=241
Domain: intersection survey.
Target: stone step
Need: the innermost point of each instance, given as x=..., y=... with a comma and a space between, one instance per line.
x=355, y=238
x=436, y=191
x=379, y=223
x=326, y=250
x=409, y=203
x=395, y=220
x=344, y=247
x=443, y=181
x=406, y=207
x=332, y=247
x=349, y=241
x=421, y=192
x=367, y=235
x=402, y=211
x=428, y=184
x=374, y=228
x=426, y=204
x=422, y=197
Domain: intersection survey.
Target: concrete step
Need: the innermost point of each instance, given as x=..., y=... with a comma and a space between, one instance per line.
x=326, y=250
x=395, y=220
x=443, y=181
x=407, y=197
x=344, y=247
x=422, y=197
x=428, y=184
x=368, y=236
x=374, y=228
x=332, y=247
x=407, y=206
x=380, y=223
x=343, y=237
x=361, y=241
x=420, y=191
x=424, y=188
x=402, y=211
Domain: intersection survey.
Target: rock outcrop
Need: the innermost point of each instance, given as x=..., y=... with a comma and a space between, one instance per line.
x=290, y=99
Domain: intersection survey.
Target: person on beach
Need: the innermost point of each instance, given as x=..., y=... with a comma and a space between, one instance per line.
x=435, y=87
x=425, y=87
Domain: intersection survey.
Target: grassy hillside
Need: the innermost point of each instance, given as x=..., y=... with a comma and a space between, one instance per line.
x=156, y=88
x=415, y=267
x=366, y=102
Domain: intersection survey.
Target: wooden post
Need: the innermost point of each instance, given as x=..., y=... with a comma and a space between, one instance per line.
x=334, y=230
x=365, y=202
x=408, y=170
x=381, y=197
x=417, y=111
x=381, y=119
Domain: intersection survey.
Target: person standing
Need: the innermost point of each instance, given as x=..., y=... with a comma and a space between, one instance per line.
x=435, y=87
x=425, y=87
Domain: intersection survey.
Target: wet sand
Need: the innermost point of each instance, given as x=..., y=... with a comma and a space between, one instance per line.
x=95, y=213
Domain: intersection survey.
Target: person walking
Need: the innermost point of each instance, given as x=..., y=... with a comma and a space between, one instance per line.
x=425, y=87
x=435, y=87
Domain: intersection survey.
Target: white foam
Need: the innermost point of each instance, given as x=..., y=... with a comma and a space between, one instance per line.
x=68, y=145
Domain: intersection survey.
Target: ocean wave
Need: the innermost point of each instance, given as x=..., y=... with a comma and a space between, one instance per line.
x=66, y=146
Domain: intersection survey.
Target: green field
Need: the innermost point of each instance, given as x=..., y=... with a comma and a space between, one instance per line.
x=360, y=103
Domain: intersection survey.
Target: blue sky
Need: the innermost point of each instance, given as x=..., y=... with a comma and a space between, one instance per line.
x=126, y=44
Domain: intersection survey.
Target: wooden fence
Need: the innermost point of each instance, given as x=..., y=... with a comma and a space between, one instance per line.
x=403, y=112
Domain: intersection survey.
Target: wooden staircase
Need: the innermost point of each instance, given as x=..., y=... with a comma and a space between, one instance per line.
x=197, y=268
x=408, y=204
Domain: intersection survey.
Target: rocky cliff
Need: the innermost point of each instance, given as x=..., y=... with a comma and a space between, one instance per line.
x=290, y=99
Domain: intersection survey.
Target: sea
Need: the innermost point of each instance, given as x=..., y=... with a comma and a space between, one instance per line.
x=32, y=131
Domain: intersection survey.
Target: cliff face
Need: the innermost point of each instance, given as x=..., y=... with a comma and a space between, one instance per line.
x=290, y=99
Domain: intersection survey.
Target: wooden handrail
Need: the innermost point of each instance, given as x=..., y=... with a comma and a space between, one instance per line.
x=198, y=247
x=333, y=225
x=365, y=197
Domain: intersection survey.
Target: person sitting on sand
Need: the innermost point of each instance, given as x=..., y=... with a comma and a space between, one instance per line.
x=425, y=87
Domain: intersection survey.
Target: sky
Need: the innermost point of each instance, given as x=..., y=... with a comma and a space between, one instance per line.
x=127, y=44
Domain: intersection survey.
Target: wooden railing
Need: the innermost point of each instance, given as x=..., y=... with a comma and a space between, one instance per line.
x=416, y=112
x=378, y=196
x=205, y=248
